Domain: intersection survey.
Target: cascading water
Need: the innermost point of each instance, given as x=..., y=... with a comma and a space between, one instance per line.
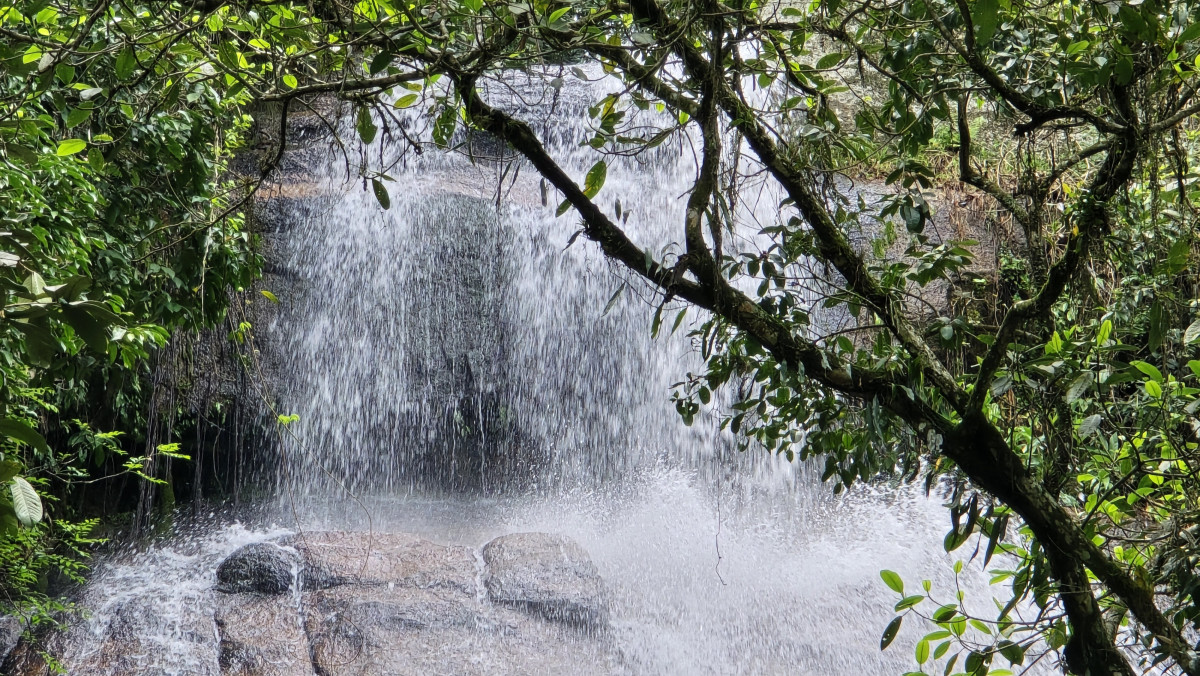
x=456, y=375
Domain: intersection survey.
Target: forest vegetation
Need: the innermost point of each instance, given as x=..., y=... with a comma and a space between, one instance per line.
x=1054, y=403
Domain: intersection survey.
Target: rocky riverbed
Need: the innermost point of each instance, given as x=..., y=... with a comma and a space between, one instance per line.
x=366, y=604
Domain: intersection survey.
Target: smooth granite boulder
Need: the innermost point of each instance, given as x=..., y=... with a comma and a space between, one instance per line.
x=550, y=575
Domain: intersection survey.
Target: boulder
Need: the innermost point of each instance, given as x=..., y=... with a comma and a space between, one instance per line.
x=404, y=631
x=143, y=636
x=26, y=659
x=331, y=559
x=369, y=604
x=261, y=567
x=261, y=636
x=549, y=575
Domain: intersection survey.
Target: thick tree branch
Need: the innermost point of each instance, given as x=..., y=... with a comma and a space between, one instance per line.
x=831, y=241
x=968, y=175
x=719, y=297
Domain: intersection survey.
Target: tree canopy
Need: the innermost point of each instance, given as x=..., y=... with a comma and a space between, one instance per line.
x=1058, y=407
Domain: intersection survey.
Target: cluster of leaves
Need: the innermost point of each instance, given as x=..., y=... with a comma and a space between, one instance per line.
x=119, y=226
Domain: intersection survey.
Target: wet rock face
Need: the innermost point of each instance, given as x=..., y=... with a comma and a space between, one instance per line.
x=550, y=575
x=10, y=633
x=261, y=567
x=395, y=604
x=368, y=604
x=332, y=559
x=261, y=636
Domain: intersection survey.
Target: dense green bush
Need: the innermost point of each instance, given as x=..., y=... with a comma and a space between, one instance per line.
x=121, y=227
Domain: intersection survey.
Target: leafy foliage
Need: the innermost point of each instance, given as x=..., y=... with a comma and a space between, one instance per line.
x=119, y=228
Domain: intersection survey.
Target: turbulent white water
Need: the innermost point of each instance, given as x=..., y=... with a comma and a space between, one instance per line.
x=456, y=376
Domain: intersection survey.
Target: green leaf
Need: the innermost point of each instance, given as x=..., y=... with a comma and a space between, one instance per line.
x=269, y=296
x=78, y=117
x=366, y=126
x=678, y=319
x=26, y=503
x=945, y=613
x=125, y=63
x=1123, y=70
x=1012, y=652
x=41, y=345
x=290, y=81
x=381, y=193
x=93, y=331
x=558, y=14
x=612, y=302
x=1076, y=47
x=1132, y=19
x=405, y=101
x=35, y=285
x=1055, y=344
x=892, y=580
x=1177, y=257
x=8, y=470
x=1079, y=386
x=1154, y=389
x=19, y=152
x=70, y=147
x=595, y=179
x=1149, y=369
x=96, y=160
x=1194, y=365
x=922, y=652
x=382, y=60
x=8, y=521
x=1190, y=33
x=908, y=602
x=889, y=634
x=986, y=17
x=65, y=73
x=20, y=430
x=830, y=60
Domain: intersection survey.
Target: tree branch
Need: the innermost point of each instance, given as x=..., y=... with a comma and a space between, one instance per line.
x=831, y=241
x=719, y=297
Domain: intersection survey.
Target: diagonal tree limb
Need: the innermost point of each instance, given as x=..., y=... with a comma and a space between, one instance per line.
x=999, y=469
x=831, y=241
x=713, y=295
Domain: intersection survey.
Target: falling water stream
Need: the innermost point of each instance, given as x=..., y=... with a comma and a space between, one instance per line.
x=456, y=375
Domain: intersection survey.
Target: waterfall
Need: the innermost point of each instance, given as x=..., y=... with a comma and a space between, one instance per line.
x=459, y=339
x=460, y=369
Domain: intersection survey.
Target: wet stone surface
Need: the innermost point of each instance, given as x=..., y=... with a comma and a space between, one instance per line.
x=550, y=575
x=368, y=604
x=10, y=633
x=262, y=567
